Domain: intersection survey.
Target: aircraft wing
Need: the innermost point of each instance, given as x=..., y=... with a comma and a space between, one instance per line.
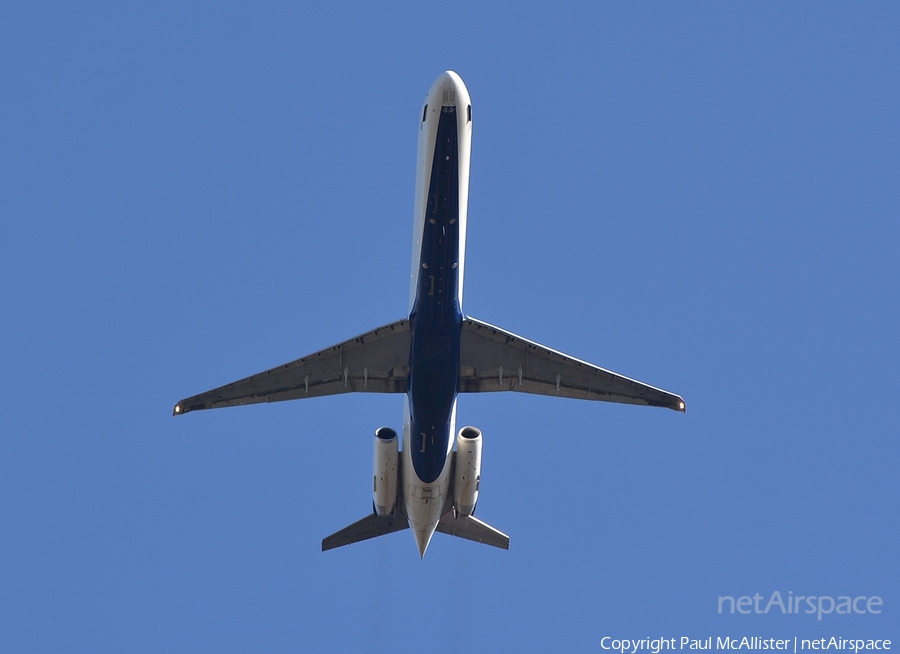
x=493, y=359
x=375, y=362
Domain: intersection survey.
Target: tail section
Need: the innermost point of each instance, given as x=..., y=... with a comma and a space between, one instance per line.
x=369, y=527
x=457, y=519
x=471, y=528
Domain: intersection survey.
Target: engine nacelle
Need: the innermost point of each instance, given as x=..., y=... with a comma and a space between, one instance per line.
x=385, y=477
x=467, y=477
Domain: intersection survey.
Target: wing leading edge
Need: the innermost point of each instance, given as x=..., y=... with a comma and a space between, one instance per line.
x=493, y=359
x=374, y=362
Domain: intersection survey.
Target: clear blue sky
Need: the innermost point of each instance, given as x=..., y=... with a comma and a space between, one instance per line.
x=702, y=196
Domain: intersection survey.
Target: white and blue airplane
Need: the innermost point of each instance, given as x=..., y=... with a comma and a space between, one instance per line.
x=431, y=356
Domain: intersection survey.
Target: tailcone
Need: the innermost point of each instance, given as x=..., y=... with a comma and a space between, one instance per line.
x=423, y=537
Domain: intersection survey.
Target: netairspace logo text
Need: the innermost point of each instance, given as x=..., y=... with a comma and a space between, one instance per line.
x=815, y=604
x=776, y=645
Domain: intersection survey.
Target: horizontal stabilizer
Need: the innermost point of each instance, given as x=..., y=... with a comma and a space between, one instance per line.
x=369, y=527
x=375, y=362
x=471, y=528
x=493, y=359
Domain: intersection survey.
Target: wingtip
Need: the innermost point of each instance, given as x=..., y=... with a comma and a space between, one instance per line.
x=178, y=410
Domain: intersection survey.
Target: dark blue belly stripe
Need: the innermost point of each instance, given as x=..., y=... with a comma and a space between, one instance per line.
x=436, y=317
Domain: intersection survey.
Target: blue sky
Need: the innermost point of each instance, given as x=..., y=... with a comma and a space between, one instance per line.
x=702, y=196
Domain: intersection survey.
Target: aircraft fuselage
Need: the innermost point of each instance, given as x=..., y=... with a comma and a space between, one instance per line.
x=435, y=317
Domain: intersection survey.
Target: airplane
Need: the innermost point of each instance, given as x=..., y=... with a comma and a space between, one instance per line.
x=431, y=356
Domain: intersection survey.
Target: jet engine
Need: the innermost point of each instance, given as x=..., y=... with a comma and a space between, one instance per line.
x=467, y=477
x=385, y=478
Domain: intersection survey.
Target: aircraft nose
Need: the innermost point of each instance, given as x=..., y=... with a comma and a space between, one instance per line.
x=448, y=89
